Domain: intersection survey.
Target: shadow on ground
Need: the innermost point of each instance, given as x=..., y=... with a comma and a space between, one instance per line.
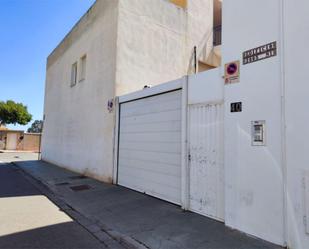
x=30, y=220
x=65, y=235
x=12, y=185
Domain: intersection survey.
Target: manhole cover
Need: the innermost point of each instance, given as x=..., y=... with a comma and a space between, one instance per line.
x=80, y=187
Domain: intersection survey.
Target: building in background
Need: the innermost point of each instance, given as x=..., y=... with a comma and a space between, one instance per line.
x=17, y=140
x=10, y=139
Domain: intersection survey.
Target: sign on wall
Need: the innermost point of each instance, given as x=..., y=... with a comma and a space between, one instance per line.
x=110, y=105
x=236, y=107
x=232, y=72
x=260, y=53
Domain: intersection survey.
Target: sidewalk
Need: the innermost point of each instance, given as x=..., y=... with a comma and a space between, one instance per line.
x=29, y=220
x=134, y=219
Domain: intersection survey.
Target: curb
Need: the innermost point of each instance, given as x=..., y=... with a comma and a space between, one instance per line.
x=108, y=237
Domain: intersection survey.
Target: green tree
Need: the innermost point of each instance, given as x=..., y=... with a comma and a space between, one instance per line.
x=14, y=113
x=36, y=127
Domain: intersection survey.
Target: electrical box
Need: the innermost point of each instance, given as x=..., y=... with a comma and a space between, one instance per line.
x=258, y=133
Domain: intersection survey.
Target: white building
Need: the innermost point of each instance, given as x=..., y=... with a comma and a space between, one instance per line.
x=118, y=46
x=228, y=143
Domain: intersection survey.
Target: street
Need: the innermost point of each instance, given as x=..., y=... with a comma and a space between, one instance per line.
x=29, y=219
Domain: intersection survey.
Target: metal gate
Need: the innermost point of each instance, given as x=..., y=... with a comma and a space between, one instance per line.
x=206, y=166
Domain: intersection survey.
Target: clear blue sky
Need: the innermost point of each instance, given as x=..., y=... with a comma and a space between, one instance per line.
x=30, y=30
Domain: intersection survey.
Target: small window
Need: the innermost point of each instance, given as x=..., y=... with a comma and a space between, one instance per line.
x=83, y=64
x=74, y=74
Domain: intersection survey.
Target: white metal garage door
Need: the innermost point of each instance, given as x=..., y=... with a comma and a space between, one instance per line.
x=149, y=158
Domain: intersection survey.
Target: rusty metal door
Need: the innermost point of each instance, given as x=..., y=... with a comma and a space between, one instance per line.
x=206, y=166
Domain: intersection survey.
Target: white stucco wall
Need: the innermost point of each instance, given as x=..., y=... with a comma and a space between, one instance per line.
x=206, y=87
x=254, y=175
x=296, y=31
x=199, y=30
x=156, y=40
x=78, y=130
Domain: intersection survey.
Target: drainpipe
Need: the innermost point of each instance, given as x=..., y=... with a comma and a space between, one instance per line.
x=283, y=120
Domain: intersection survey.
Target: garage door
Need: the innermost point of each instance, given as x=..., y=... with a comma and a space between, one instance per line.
x=149, y=158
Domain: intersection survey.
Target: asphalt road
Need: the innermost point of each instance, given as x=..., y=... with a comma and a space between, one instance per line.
x=30, y=220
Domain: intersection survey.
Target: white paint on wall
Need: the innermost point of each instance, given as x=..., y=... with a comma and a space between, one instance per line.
x=206, y=87
x=78, y=129
x=150, y=44
x=296, y=34
x=156, y=39
x=254, y=175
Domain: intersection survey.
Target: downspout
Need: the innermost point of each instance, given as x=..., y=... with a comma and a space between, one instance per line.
x=283, y=121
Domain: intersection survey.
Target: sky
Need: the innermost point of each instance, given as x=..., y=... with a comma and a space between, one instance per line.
x=29, y=31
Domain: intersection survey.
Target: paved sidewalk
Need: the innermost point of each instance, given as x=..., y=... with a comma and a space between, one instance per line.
x=135, y=219
x=29, y=220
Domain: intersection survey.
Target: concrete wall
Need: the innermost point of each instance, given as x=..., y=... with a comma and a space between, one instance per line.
x=151, y=43
x=296, y=35
x=206, y=87
x=199, y=30
x=31, y=142
x=78, y=129
x=156, y=40
x=254, y=174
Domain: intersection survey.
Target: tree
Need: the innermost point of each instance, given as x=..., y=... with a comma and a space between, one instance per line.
x=14, y=113
x=36, y=127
